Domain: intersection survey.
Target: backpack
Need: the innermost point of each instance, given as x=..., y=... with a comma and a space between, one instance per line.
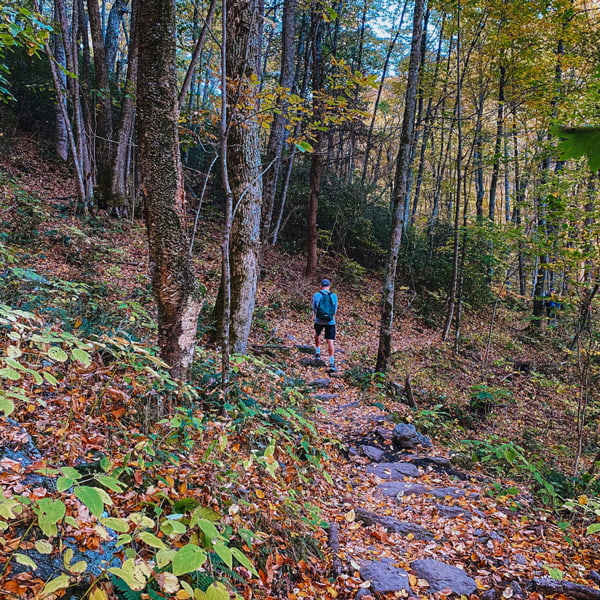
x=325, y=308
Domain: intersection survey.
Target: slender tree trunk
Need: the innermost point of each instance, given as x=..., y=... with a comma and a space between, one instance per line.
x=278, y=131
x=121, y=171
x=400, y=191
x=478, y=159
x=103, y=110
x=452, y=297
x=316, y=163
x=61, y=142
x=497, y=145
x=187, y=81
x=386, y=62
x=428, y=123
x=173, y=279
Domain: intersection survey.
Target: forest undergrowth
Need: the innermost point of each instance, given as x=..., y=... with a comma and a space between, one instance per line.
x=211, y=492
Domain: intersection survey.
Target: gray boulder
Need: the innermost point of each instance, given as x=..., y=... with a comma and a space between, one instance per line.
x=452, y=512
x=393, y=471
x=392, y=525
x=372, y=453
x=393, y=489
x=384, y=577
x=440, y=576
x=406, y=437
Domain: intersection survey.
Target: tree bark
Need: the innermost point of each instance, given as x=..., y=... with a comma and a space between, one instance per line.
x=316, y=163
x=111, y=37
x=121, y=168
x=244, y=164
x=102, y=110
x=173, y=279
x=277, y=133
x=498, y=144
x=400, y=191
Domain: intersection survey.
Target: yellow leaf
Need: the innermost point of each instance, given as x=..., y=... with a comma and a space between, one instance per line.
x=98, y=594
x=182, y=595
x=259, y=493
x=43, y=547
x=583, y=500
x=350, y=516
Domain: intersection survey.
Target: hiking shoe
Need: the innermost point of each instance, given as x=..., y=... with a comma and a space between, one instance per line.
x=332, y=369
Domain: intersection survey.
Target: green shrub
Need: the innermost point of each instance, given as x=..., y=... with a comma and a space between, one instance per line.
x=425, y=265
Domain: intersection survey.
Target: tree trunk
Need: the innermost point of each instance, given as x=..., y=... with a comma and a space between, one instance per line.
x=244, y=164
x=386, y=62
x=111, y=37
x=400, y=192
x=103, y=110
x=173, y=280
x=61, y=142
x=316, y=163
x=121, y=168
x=498, y=144
x=277, y=134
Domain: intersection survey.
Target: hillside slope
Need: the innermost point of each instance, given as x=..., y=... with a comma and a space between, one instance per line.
x=298, y=470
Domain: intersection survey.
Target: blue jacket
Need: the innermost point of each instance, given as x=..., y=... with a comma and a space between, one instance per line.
x=315, y=304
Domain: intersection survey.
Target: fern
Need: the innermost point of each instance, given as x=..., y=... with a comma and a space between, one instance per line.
x=123, y=591
x=202, y=581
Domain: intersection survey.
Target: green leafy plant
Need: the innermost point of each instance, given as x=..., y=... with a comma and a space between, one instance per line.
x=484, y=398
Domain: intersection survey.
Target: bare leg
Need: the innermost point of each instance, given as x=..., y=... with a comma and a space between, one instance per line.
x=331, y=348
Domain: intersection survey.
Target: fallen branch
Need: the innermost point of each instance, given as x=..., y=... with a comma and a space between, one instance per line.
x=547, y=585
x=333, y=542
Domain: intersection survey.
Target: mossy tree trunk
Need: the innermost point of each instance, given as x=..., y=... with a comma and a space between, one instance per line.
x=173, y=279
x=243, y=163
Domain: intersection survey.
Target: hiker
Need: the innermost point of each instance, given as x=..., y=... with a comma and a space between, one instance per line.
x=325, y=304
x=552, y=304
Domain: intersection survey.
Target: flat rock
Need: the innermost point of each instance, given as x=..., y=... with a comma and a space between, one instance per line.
x=440, y=576
x=393, y=471
x=349, y=405
x=392, y=525
x=384, y=434
x=320, y=383
x=452, y=512
x=372, y=453
x=384, y=577
x=326, y=396
x=405, y=436
x=452, y=492
x=393, y=489
x=425, y=461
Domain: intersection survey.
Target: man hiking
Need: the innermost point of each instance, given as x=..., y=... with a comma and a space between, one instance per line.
x=325, y=304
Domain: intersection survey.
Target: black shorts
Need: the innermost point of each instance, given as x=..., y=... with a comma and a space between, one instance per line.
x=329, y=330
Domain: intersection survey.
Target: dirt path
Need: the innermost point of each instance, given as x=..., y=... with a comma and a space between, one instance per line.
x=410, y=524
